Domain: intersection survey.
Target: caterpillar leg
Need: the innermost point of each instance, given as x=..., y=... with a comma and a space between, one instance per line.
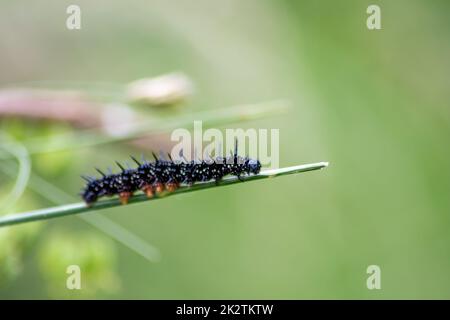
x=159, y=187
x=124, y=197
x=89, y=204
x=172, y=186
x=148, y=190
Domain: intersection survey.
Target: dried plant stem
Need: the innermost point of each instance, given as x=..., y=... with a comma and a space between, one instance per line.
x=216, y=117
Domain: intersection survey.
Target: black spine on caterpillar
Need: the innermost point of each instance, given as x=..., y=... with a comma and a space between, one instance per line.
x=153, y=177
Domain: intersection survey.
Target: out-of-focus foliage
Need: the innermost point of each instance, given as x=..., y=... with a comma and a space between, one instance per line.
x=94, y=255
x=373, y=103
x=14, y=244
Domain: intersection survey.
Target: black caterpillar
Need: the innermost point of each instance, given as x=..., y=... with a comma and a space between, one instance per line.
x=154, y=177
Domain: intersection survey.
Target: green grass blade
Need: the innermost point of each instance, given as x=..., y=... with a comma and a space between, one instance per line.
x=76, y=208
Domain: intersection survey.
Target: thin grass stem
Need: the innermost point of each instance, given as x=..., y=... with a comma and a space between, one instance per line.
x=81, y=207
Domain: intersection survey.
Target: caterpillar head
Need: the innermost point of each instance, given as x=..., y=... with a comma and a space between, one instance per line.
x=252, y=166
x=89, y=197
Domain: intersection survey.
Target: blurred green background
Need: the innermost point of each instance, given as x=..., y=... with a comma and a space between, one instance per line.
x=373, y=103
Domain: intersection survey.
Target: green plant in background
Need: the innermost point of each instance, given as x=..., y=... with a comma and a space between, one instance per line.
x=95, y=256
x=14, y=245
